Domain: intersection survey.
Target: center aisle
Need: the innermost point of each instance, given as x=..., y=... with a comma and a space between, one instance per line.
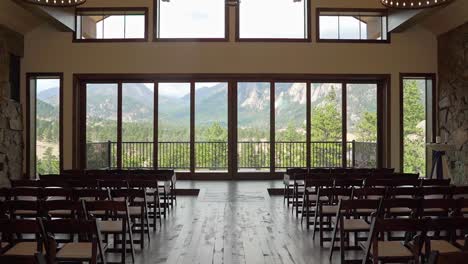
x=232, y=222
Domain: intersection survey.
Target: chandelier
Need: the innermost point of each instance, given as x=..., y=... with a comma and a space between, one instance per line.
x=413, y=4
x=57, y=3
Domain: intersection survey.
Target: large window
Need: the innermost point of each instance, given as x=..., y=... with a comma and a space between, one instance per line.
x=273, y=19
x=174, y=108
x=358, y=26
x=45, y=99
x=190, y=19
x=129, y=24
x=224, y=125
x=211, y=126
x=290, y=125
x=253, y=125
x=417, y=129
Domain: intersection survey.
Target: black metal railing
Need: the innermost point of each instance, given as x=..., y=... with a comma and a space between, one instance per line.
x=214, y=155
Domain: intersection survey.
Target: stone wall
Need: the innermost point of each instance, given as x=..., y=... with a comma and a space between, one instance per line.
x=11, y=135
x=453, y=98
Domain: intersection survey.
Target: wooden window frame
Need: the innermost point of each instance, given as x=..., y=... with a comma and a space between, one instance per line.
x=110, y=9
x=35, y=75
x=156, y=23
x=308, y=21
x=435, y=109
x=382, y=81
x=382, y=11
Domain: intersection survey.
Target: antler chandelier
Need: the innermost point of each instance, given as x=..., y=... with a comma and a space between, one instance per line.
x=413, y=4
x=57, y=3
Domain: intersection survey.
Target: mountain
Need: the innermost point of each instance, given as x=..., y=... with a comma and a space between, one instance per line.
x=50, y=96
x=211, y=103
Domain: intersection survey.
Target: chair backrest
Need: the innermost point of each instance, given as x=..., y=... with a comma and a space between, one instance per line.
x=91, y=194
x=347, y=183
x=26, y=193
x=129, y=194
x=402, y=192
x=24, y=205
x=435, y=192
x=350, y=206
x=143, y=183
x=449, y=206
x=373, y=193
x=87, y=183
x=386, y=206
x=434, y=182
x=317, y=180
x=58, y=193
x=460, y=192
x=112, y=183
x=112, y=207
x=25, y=183
x=12, y=231
x=391, y=182
x=76, y=207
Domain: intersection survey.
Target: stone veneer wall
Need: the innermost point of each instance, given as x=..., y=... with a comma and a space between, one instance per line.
x=11, y=134
x=453, y=98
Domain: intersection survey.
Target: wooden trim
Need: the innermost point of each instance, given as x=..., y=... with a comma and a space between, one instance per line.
x=232, y=129
x=434, y=110
x=192, y=127
x=75, y=38
x=156, y=23
x=119, y=125
x=344, y=123
x=272, y=126
x=299, y=40
x=308, y=125
x=35, y=75
x=155, y=125
x=383, y=11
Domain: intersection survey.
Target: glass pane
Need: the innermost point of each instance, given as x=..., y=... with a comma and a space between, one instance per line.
x=349, y=27
x=273, y=19
x=253, y=125
x=211, y=126
x=114, y=27
x=174, y=125
x=328, y=27
x=47, y=126
x=135, y=26
x=326, y=125
x=137, y=125
x=101, y=126
x=191, y=19
x=371, y=27
x=414, y=126
x=290, y=125
x=361, y=125
x=89, y=26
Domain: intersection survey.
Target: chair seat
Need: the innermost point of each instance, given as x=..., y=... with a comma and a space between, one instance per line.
x=434, y=210
x=23, y=249
x=329, y=209
x=355, y=225
x=139, y=200
x=460, y=242
x=400, y=210
x=365, y=211
x=313, y=198
x=442, y=246
x=392, y=249
x=109, y=226
x=25, y=212
x=132, y=211
x=60, y=212
x=98, y=213
x=300, y=182
x=77, y=250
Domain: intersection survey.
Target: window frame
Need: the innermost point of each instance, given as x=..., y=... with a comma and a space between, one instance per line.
x=303, y=40
x=433, y=112
x=156, y=24
x=111, y=9
x=38, y=75
x=382, y=11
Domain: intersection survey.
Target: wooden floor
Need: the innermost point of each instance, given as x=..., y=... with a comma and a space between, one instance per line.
x=232, y=222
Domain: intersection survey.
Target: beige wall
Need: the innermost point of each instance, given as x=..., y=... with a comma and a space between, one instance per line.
x=47, y=50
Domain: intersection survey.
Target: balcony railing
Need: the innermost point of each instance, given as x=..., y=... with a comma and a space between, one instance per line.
x=214, y=155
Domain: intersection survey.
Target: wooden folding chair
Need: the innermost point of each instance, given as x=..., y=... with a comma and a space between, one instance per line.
x=299, y=181
x=150, y=186
x=311, y=187
x=434, y=182
x=347, y=221
x=376, y=249
x=288, y=182
x=24, y=208
x=84, y=244
x=26, y=193
x=115, y=222
x=448, y=243
x=20, y=237
x=63, y=209
x=448, y=258
x=437, y=208
x=57, y=193
x=138, y=210
x=435, y=192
